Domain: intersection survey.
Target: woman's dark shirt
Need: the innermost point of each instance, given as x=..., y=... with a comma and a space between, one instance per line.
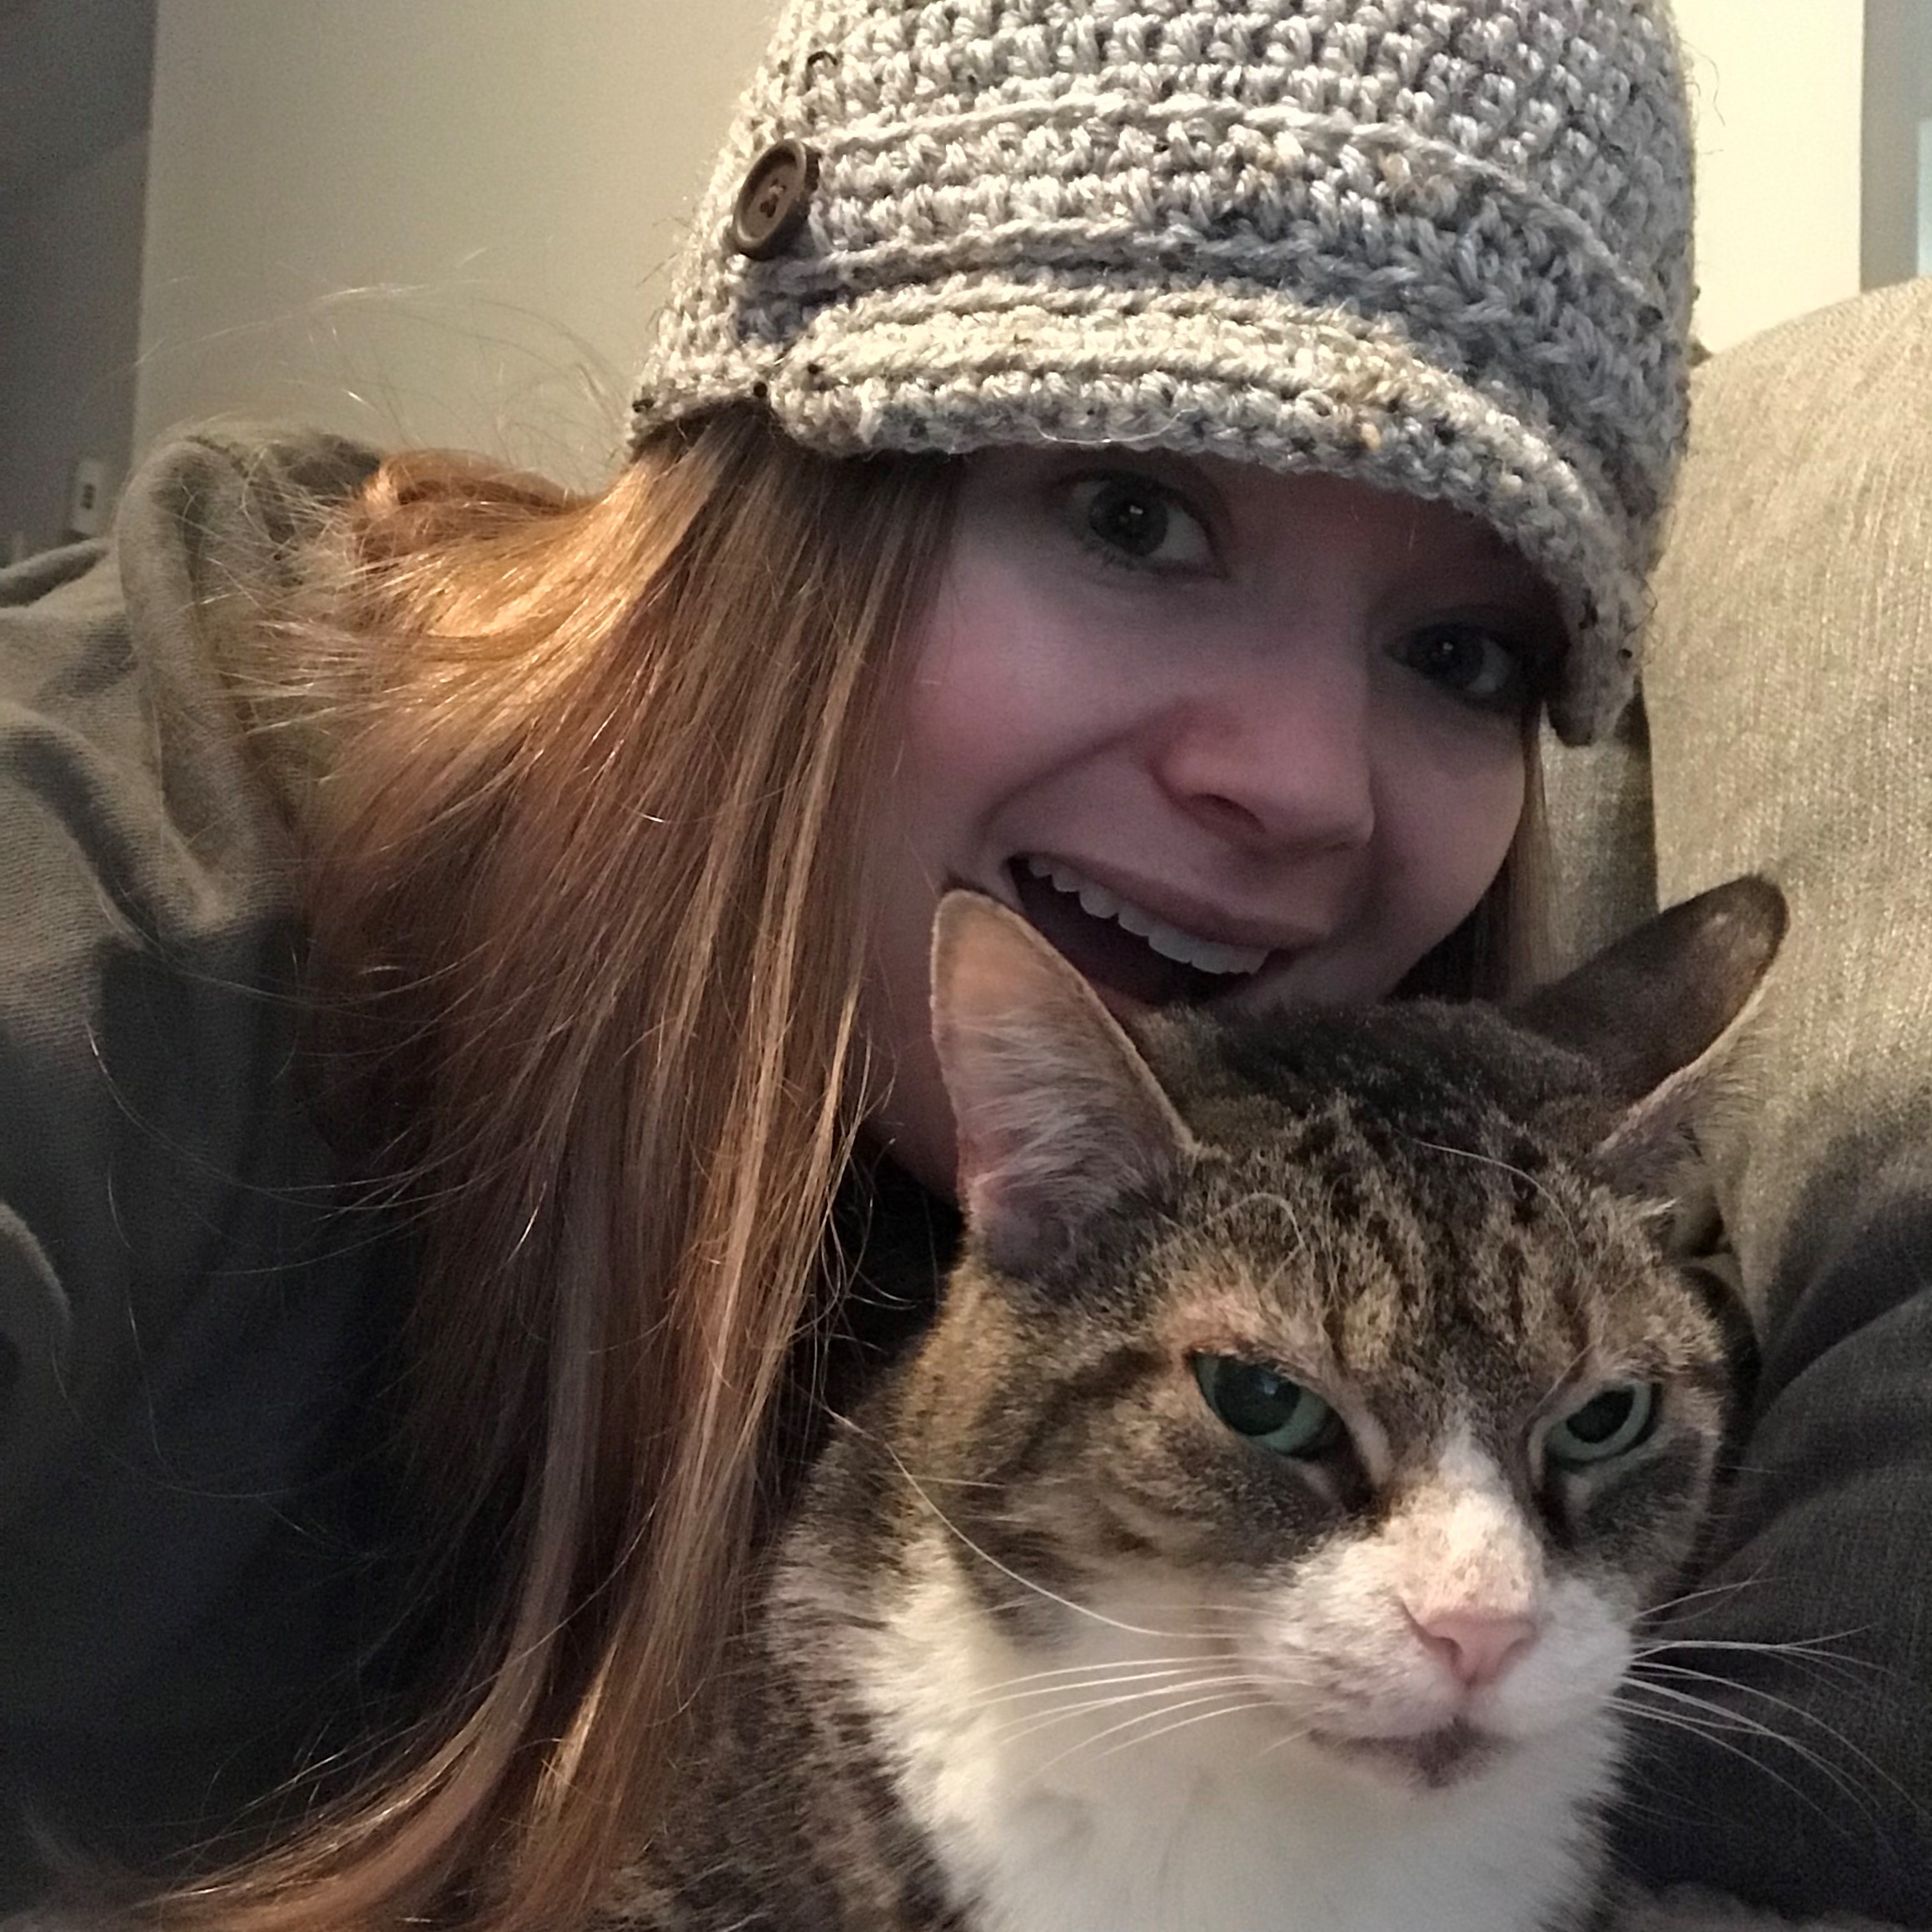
x=192, y=1516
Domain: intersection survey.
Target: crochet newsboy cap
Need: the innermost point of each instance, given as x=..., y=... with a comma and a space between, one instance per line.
x=1442, y=246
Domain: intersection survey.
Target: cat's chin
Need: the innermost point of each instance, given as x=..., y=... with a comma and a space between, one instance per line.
x=1431, y=1760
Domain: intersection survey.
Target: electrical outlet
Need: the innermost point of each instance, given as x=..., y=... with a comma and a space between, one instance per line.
x=87, y=497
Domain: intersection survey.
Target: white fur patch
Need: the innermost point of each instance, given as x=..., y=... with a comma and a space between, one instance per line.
x=1149, y=1773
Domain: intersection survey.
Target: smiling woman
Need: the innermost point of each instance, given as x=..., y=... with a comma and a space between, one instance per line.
x=1154, y=465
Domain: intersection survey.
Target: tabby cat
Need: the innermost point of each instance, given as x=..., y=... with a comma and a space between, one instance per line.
x=1256, y=1538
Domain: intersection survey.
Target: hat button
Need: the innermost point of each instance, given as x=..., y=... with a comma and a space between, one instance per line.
x=774, y=201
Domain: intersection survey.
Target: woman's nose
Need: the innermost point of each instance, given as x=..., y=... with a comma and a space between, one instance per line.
x=1276, y=760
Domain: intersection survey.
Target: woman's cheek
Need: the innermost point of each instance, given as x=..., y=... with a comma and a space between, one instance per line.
x=1454, y=821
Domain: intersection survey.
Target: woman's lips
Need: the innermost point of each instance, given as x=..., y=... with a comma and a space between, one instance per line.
x=1221, y=957
x=1117, y=961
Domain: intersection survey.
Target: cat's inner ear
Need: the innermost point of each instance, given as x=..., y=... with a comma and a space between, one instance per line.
x=1660, y=1012
x=1057, y=1114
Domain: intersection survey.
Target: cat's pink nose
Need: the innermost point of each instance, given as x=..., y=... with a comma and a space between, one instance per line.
x=1478, y=1645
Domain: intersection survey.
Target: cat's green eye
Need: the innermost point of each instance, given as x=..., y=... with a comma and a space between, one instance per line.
x=1271, y=1410
x=1612, y=1421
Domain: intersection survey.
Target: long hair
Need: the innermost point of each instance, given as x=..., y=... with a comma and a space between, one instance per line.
x=588, y=926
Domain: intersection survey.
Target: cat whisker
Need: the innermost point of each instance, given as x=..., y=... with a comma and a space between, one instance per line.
x=1171, y=1697
x=1241, y=1614
x=1282, y=1742
x=1741, y=1723
x=1265, y=1197
x=1734, y=1721
x=1209, y=1622
x=1507, y=1166
x=1713, y=1734
x=1711, y=1590
x=1029, y=1723
x=1783, y=1704
x=1810, y=1652
x=1211, y=1625
x=1229, y=1706
x=932, y=1478
x=840, y=1419
x=1649, y=1670
x=1212, y=1655
x=1201, y=1634
x=1815, y=1644
x=1837, y=1737
x=1219, y=1217
x=1093, y=1680
x=1563, y=1374
x=1182, y=1723
x=1006, y=1569
x=984, y=1483
x=1095, y=1669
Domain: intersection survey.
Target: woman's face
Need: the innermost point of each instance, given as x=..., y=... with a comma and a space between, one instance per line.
x=1218, y=733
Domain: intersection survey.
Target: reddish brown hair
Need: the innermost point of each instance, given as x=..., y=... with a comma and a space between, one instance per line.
x=587, y=917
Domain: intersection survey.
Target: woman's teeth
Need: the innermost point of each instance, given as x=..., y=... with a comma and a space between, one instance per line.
x=1170, y=942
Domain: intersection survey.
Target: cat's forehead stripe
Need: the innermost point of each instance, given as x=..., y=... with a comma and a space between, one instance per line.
x=1420, y=1271
x=1224, y=1302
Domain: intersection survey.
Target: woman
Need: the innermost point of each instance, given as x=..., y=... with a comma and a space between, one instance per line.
x=1156, y=465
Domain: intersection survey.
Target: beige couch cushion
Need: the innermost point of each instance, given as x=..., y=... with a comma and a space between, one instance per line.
x=1789, y=699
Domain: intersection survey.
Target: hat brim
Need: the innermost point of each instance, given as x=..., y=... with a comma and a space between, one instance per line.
x=969, y=362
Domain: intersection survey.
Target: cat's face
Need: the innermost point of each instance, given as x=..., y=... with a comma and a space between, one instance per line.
x=1409, y=1435
x=1389, y=1402
x=1361, y=1396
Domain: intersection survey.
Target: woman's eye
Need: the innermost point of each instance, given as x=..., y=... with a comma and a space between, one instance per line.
x=1474, y=664
x=1267, y=1407
x=1612, y=1423
x=1133, y=521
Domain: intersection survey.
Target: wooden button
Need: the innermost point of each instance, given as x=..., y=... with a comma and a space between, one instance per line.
x=776, y=198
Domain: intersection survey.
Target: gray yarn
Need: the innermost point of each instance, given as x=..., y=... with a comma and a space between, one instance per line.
x=1442, y=247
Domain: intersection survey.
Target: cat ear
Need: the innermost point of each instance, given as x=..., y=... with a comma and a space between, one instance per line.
x=1659, y=1013
x=1057, y=1115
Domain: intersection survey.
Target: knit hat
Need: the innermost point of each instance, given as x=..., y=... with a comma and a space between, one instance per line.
x=1442, y=246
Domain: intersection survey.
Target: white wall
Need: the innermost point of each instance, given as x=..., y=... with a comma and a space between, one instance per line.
x=443, y=222
x=1777, y=86
x=438, y=222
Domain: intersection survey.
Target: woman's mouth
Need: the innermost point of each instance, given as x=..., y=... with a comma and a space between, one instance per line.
x=1124, y=948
